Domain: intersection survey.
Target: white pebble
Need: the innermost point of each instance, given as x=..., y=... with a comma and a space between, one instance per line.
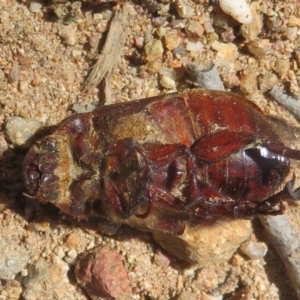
x=194, y=46
x=167, y=82
x=35, y=6
x=238, y=9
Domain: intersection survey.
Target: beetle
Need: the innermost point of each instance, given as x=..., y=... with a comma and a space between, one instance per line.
x=164, y=162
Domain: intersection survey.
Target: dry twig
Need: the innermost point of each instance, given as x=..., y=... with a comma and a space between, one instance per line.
x=112, y=49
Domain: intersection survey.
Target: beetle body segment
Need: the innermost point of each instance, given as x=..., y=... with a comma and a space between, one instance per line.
x=163, y=162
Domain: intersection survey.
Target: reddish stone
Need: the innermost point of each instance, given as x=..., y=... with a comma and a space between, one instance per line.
x=102, y=274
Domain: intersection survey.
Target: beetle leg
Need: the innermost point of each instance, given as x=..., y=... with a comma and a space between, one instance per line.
x=168, y=213
x=290, y=193
x=219, y=145
x=274, y=205
x=271, y=206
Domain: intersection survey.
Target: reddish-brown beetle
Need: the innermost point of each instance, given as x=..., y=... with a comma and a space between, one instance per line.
x=163, y=162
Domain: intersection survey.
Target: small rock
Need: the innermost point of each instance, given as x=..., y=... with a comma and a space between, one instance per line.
x=23, y=86
x=72, y=253
x=291, y=33
x=254, y=250
x=13, y=258
x=35, y=6
x=172, y=41
x=267, y=82
x=167, y=82
x=207, y=244
x=259, y=48
x=161, y=259
x=153, y=50
x=228, y=36
x=20, y=131
x=161, y=31
x=194, y=29
x=102, y=274
x=248, y=82
x=294, y=21
x=139, y=42
x=69, y=35
x=226, y=56
x=252, y=30
x=282, y=66
x=48, y=280
x=239, y=10
x=231, y=80
x=208, y=27
x=83, y=108
x=173, y=73
x=76, y=240
x=207, y=280
x=184, y=8
x=194, y=46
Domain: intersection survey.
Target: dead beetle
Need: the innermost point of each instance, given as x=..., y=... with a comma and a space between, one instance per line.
x=163, y=163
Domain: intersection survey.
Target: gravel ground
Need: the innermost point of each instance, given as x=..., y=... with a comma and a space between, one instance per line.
x=47, y=51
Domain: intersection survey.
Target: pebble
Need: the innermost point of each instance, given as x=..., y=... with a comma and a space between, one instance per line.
x=184, y=8
x=227, y=54
x=76, y=240
x=259, y=48
x=48, y=280
x=20, y=131
x=238, y=9
x=161, y=259
x=72, y=253
x=231, y=80
x=252, y=30
x=291, y=33
x=267, y=82
x=173, y=73
x=208, y=27
x=35, y=6
x=172, y=41
x=194, y=29
x=194, y=46
x=207, y=244
x=69, y=35
x=254, y=250
x=167, y=83
x=207, y=280
x=101, y=273
x=161, y=31
x=13, y=258
x=294, y=21
x=153, y=50
x=248, y=81
x=282, y=66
